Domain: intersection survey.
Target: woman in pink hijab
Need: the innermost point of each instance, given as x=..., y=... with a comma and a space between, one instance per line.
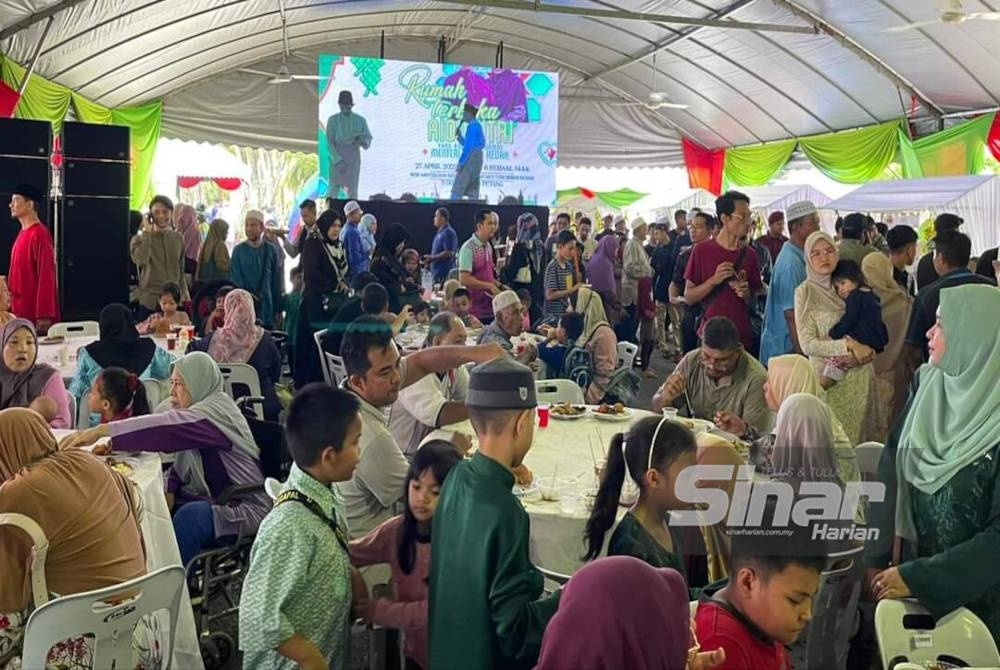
x=186, y=219
x=242, y=340
x=620, y=612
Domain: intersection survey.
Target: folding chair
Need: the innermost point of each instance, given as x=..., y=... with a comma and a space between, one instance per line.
x=834, y=608
x=75, y=329
x=335, y=368
x=324, y=366
x=868, y=455
x=908, y=634
x=109, y=614
x=239, y=376
x=627, y=352
x=559, y=390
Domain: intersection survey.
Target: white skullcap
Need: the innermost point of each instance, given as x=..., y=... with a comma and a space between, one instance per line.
x=637, y=222
x=619, y=219
x=351, y=207
x=799, y=209
x=503, y=300
x=256, y=215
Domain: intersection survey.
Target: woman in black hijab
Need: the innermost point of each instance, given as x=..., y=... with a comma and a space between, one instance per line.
x=389, y=270
x=119, y=346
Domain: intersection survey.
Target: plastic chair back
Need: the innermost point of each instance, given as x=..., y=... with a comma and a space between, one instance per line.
x=907, y=633
x=110, y=624
x=39, y=550
x=336, y=369
x=235, y=375
x=558, y=390
x=829, y=634
x=75, y=329
x=324, y=366
x=156, y=392
x=868, y=455
x=74, y=419
x=627, y=352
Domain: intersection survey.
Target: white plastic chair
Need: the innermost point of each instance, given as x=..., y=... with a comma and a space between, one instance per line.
x=558, y=390
x=80, y=411
x=627, y=352
x=907, y=633
x=324, y=366
x=868, y=455
x=39, y=550
x=75, y=329
x=272, y=487
x=831, y=628
x=242, y=374
x=110, y=624
x=335, y=368
x=156, y=392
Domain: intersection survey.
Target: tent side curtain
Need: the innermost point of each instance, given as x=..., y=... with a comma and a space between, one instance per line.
x=44, y=100
x=619, y=199
x=853, y=156
x=952, y=152
x=993, y=141
x=704, y=166
x=757, y=165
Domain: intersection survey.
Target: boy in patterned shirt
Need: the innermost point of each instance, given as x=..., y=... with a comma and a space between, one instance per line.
x=295, y=611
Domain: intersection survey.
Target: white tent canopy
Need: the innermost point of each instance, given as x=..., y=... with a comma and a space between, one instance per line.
x=748, y=70
x=763, y=200
x=975, y=199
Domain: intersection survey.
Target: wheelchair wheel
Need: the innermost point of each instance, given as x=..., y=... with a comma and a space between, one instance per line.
x=218, y=651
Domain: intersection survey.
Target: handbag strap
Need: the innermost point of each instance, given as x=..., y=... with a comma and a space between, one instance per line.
x=39, y=551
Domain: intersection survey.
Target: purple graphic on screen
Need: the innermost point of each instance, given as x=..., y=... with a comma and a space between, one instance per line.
x=477, y=89
x=508, y=95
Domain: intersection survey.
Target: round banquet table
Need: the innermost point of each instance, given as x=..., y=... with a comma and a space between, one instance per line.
x=49, y=353
x=567, y=448
x=161, y=546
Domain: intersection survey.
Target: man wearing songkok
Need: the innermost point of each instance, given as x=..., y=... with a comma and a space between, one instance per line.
x=346, y=135
x=485, y=606
x=779, y=335
x=32, y=280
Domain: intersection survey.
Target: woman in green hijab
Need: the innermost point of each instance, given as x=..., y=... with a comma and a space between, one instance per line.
x=941, y=466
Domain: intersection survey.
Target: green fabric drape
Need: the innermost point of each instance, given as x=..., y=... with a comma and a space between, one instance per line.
x=43, y=100
x=144, y=122
x=853, y=156
x=619, y=199
x=756, y=165
x=955, y=151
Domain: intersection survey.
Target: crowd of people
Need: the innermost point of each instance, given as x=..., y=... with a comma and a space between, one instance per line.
x=800, y=348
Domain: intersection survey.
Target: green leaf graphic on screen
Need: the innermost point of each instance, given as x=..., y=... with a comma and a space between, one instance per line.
x=367, y=71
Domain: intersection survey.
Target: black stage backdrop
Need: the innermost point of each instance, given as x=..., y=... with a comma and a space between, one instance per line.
x=418, y=218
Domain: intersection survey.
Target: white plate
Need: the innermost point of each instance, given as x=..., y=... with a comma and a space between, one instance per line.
x=696, y=425
x=614, y=417
x=569, y=417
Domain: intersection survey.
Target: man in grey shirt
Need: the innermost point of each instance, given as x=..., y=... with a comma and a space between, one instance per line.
x=508, y=322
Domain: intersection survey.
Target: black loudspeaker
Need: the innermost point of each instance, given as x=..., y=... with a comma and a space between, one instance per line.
x=83, y=177
x=20, y=137
x=88, y=140
x=24, y=157
x=92, y=248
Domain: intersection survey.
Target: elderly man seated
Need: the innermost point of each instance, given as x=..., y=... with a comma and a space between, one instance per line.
x=437, y=399
x=718, y=377
x=509, y=322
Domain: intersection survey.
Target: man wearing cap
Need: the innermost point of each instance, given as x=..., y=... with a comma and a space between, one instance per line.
x=376, y=373
x=158, y=252
x=346, y=134
x=32, y=278
x=486, y=605
x=851, y=246
x=254, y=268
x=470, y=163
x=902, y=241
x=477, y=267
x=926, y=273
x=774, y=237
x=508, y=323
x=350, y=238
x=779, y=335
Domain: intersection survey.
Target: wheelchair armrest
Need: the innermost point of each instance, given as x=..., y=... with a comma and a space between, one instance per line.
x=249, y=400
x=239, y=492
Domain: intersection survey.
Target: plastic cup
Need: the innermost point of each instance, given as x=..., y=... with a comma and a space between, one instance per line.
x=549, y=488
x=543, y=416
x=670, y=413
x=171, y=342
x=569, y=496
x=63, y=356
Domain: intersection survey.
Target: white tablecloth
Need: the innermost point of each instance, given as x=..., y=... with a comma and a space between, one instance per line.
x=49, y=353
x=161, y=548
x=567, y=448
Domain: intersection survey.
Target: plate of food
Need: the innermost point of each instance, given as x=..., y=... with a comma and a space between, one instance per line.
x=565, y=411
x=53, y=339
x=696, y=425
x=615, y=412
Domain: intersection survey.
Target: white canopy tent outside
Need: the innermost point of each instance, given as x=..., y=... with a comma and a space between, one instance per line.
x=763, y=201
x=976, y=199
x=196, y=160
x=748, y=71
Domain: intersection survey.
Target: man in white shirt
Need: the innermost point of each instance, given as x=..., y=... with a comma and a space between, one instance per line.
x=376, y=373
x=437, y=399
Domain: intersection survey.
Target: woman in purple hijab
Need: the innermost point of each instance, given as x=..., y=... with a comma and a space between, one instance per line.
x=601, y=277
x=620, y=612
